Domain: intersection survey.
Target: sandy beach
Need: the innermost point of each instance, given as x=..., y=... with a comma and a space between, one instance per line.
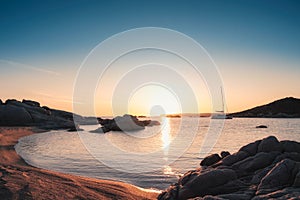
x=22, y=181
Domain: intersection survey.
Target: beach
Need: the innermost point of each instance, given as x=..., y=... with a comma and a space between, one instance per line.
x=22, y=181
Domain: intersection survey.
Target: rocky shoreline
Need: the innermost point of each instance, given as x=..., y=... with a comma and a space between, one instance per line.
x=32, y=114
x=264, y=169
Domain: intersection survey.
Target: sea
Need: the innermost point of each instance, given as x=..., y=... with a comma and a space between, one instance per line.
x=151, y=158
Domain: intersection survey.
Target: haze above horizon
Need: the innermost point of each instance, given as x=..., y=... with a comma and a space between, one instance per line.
x=255, y=44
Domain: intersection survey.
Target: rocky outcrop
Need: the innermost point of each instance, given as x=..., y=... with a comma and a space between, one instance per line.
x=11, y=115
x=30, y=113
x=123, y=123
x=283, y=108
x=264, y=169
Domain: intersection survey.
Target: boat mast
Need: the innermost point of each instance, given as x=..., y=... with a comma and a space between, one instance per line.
x=222, y=110
x=222, y=100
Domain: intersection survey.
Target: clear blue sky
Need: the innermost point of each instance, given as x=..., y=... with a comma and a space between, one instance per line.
x=56, y=35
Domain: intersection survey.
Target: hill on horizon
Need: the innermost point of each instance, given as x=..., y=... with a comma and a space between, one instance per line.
x=288, y=107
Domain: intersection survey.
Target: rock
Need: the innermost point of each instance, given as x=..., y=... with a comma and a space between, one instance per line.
x=209, y=197
x=62, y=114
x=236, y=196
x=46, y=107
x=29, y=113
x=75, y=129
x=153, y=123
x=9, y=101
x=287, y=107
x=1, y=102
x=290, y=146
x=11, y=115
x=224, y=154
x=124, y=123
x=31, y=103
x=210, y=160
x=286, y=193
x=190, y=175
x=229, y=187
x=290, y=155
x=280, y=176
x=170, y=194
x=100, y=130
x=260, y=174
x=297, y=179
x=257, y=171
x=253, y=163
x=251, y=148
x=200, y=185
x=127, y=123
x=269, y=144
x=231, y=159
x=261, y=126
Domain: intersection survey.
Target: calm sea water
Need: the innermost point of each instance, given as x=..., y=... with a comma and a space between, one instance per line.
x=151, y=158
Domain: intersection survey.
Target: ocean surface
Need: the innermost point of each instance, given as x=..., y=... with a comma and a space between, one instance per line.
x=151, y=158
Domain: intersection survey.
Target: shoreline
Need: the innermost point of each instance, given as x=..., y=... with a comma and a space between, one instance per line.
x=19, y=180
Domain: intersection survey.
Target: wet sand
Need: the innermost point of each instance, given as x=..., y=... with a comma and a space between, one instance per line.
x=18, y=180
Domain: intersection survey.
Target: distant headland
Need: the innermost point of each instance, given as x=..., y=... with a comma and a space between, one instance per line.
x=288, y=107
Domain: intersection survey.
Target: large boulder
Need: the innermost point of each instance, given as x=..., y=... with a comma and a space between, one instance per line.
x=289, y=193
x=290, y=146
x=290, y=155
x=9, y=101
x=210, y=160
x=260, y=174
x=204, y=182
x=280, y=176
x=190, y=175
x=297, y=178
x=253, y=163
x=31, y=103
x=123, y=123
x=126, y=123
x=251, y=148
x=269, y=144
x=236, y=157
x=11, y=115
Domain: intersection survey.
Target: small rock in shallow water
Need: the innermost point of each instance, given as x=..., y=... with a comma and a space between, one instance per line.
x=261, y=126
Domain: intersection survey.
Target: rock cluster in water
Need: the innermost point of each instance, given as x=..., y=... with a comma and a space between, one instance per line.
x=30, y=113
x=264, y=169
x=123, y=123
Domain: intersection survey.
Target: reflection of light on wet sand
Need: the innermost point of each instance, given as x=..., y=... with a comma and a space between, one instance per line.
x=168, y=170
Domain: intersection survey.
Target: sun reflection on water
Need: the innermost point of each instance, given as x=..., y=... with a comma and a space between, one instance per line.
x=168, y=170
x=165, y=133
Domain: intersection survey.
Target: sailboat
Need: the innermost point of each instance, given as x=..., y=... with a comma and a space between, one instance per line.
x=220, y=114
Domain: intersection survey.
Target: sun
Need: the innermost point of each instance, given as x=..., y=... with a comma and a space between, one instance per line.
x=153, y=100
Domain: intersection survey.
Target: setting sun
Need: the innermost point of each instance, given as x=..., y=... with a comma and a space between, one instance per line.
x=154, y=100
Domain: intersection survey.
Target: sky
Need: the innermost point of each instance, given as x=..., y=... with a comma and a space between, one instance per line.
x=255, y=44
